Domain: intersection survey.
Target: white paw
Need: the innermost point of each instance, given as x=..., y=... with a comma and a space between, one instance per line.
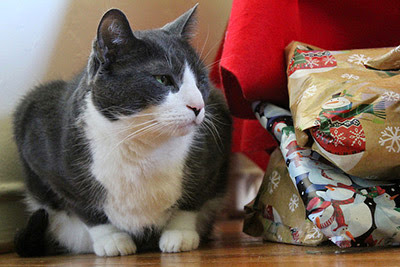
x=179, y=240
x=114, y=244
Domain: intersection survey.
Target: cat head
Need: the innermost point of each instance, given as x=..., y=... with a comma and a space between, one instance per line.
x=154, y=74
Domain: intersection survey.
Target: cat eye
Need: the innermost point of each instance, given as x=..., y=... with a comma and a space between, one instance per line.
x=164, y=80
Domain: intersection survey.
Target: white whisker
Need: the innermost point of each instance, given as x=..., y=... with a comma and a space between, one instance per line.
x=134, y=135
x=210, y=50
x=216, y=62
x=205, y=42
x=210, y=127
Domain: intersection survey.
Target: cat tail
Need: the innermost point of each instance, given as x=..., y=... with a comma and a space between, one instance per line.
x=31, y=241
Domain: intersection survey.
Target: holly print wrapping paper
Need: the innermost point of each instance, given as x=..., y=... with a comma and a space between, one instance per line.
x=346, y=106
x=305, y=199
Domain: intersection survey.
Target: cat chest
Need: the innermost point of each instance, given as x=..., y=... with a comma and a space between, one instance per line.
x=140, y=192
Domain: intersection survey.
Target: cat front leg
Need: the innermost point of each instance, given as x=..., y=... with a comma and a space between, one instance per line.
x=110, y=241
x=180, y=233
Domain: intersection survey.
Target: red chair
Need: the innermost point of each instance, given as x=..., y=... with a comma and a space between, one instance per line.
x=252, y=62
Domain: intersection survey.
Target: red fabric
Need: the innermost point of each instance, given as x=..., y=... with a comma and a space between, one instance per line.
x=252, y=65
x=249, y=137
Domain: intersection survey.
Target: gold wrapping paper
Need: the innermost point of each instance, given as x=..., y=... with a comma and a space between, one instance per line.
x=346, y=106
x=278, y=213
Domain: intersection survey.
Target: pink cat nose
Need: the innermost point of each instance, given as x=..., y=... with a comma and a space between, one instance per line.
x=196, y=110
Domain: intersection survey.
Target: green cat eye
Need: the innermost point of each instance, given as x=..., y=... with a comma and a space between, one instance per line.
x=164, y=80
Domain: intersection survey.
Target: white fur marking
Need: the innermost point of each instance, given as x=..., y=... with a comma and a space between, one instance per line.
x=109, y=241
x=180, y=233
x=142, y=176
x=176, y=106
x=70, y=231
x=182, y=220
x=189, y=90
x=179, y=240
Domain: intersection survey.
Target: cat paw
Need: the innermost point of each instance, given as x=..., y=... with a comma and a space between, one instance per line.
x=114, y=244
x=179, y=240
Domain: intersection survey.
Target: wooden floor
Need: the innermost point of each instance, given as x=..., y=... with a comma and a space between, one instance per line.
x=230, y=247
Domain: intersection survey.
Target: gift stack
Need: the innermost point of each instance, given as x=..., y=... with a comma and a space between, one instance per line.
x=334, y=174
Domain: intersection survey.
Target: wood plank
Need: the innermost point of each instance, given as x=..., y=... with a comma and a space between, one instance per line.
x=229, y=247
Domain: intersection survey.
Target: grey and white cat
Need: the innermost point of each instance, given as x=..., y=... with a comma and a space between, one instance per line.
x=131, y=154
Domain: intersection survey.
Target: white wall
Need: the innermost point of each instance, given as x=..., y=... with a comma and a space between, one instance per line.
x=28, y=32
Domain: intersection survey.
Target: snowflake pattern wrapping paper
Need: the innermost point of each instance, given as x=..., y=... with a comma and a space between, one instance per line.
x=278, y=213
x=346, y=107
x=305, y=200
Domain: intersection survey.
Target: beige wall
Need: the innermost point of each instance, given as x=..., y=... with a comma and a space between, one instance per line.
x=80, y=24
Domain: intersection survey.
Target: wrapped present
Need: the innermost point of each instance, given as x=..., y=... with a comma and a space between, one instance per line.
x=346, y=106
x=278, y=213
x=301, y=186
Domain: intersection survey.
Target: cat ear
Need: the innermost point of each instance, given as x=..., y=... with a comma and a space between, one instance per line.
x=184, y=24
x=113, y=35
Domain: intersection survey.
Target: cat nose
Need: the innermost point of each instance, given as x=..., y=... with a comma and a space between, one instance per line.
x=196, y=110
